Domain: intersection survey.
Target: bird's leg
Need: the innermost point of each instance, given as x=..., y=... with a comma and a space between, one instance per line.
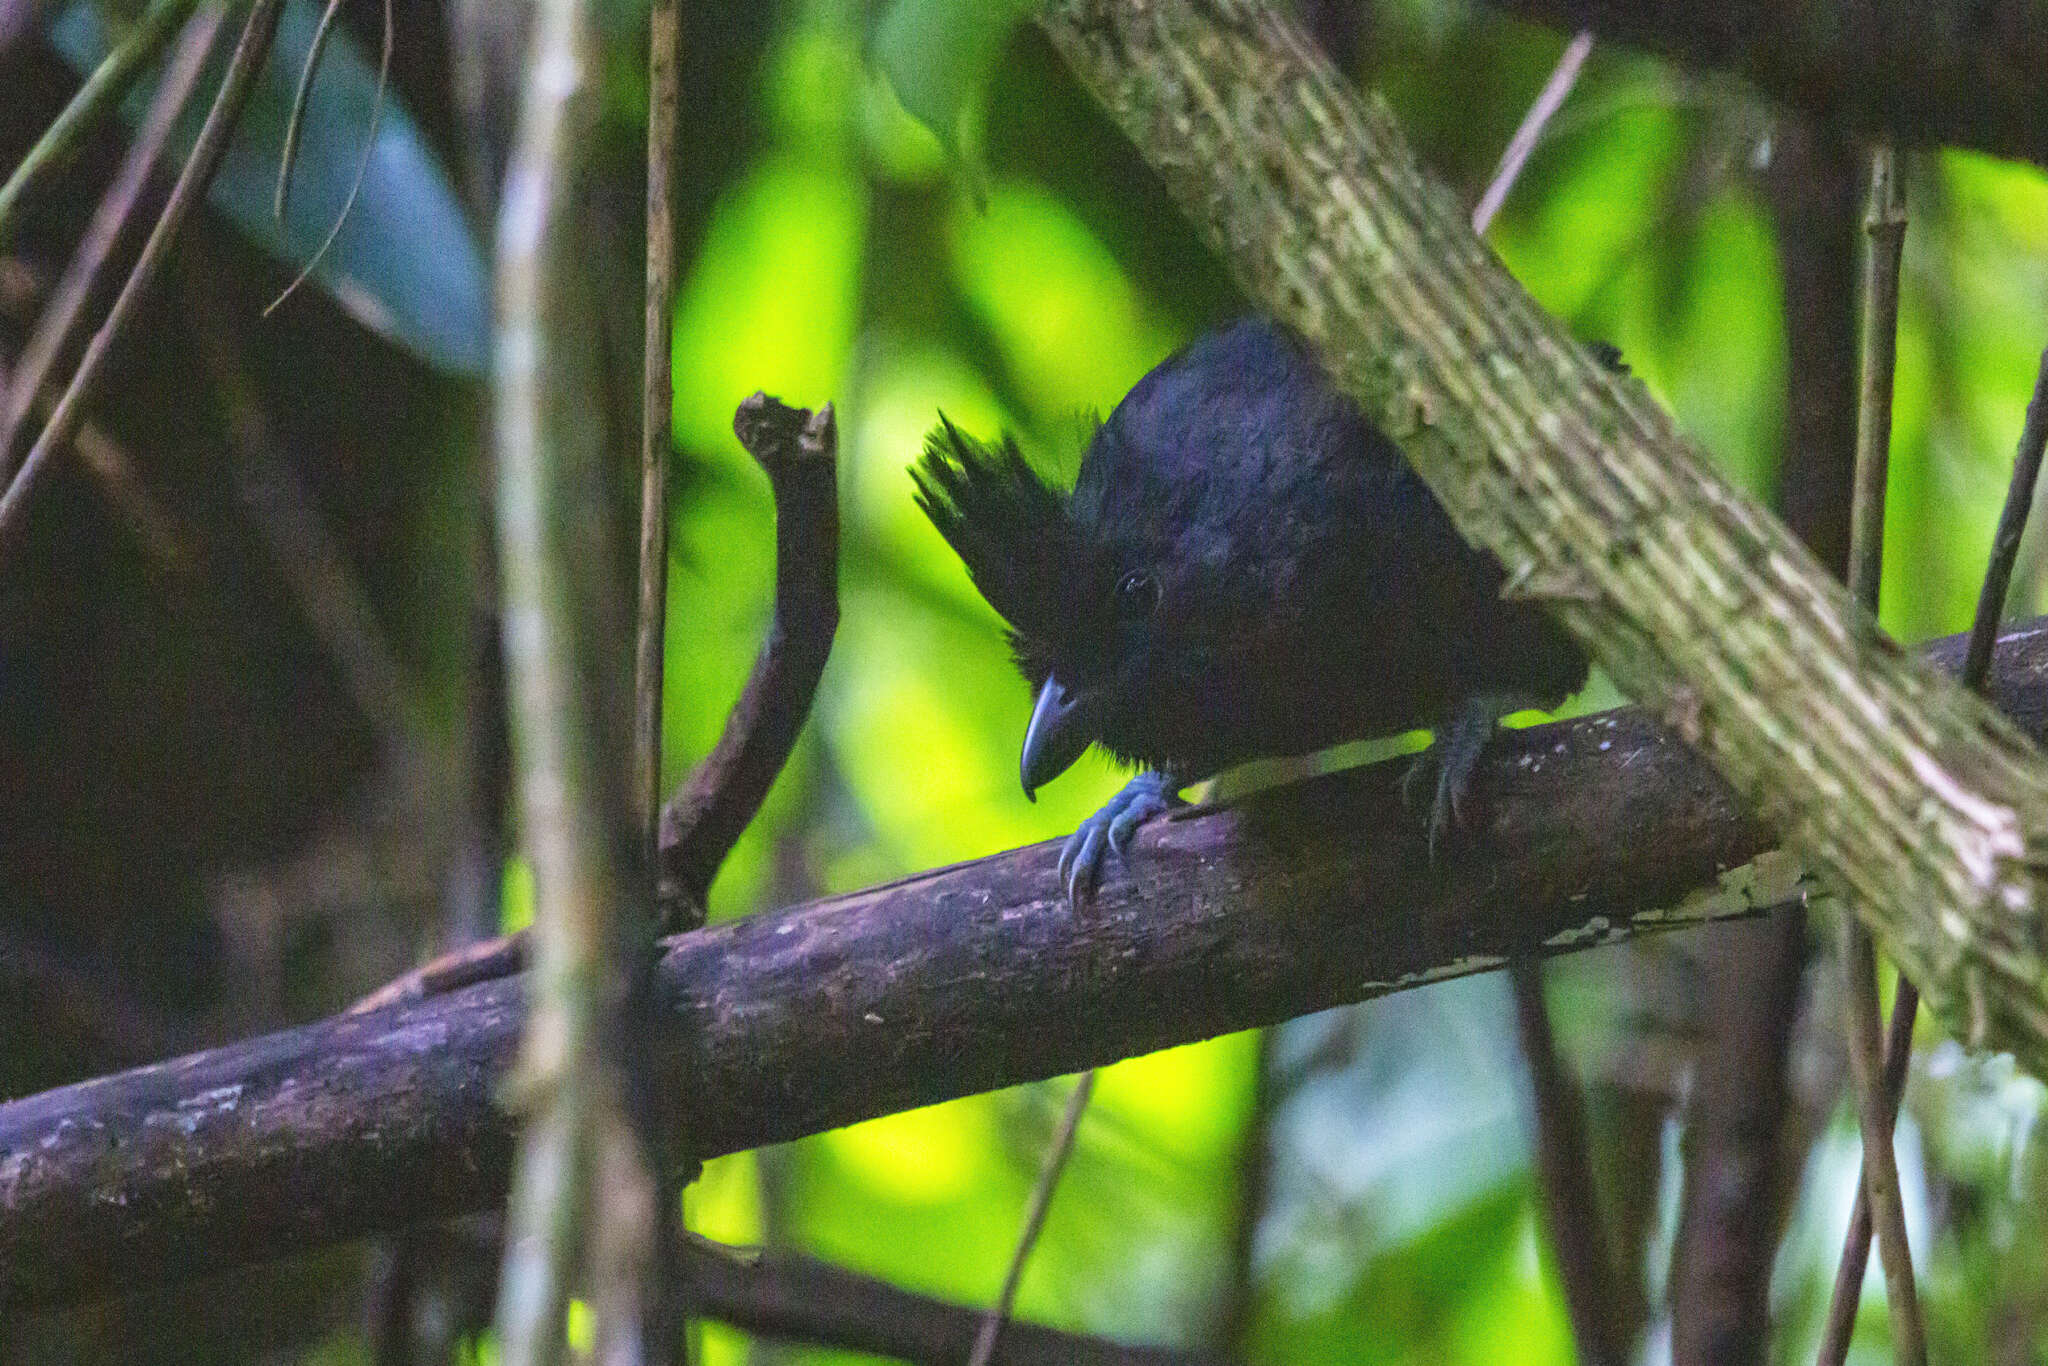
x=1454, y=755
x=1110, y=830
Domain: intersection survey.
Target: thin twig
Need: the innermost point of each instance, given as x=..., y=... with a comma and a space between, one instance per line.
x=798, y=1299
x=1885, y=225
x=657, y=415
x=294, y=124
x=641, y=1299
x=1034, y=1219
x=168, y=541
x=56, y=331
x=185, y=196
x=309, y=558
x=2005, y=543
x=462, y=966
x=2005, y=546
x=355, y=185
x=799, y=451
x=1548, y=101
x=101, y=93
x=1855, y=1259
x=1578, y=1231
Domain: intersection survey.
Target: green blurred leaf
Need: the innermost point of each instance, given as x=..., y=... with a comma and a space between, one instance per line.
x=405, y=264
x=937, y=56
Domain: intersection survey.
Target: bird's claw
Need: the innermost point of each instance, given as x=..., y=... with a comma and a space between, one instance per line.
x=1444, y=815
x=1081, y=860
x=1454, y=757
x=1110, y=831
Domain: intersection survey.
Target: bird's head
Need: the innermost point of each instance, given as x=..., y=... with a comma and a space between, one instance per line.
x=1113, y=617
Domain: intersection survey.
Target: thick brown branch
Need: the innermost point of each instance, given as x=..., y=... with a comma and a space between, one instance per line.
x=945, y=984
x=699, y=825
x=1929, y=71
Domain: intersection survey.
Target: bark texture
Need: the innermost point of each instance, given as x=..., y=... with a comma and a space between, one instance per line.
x=945, y=984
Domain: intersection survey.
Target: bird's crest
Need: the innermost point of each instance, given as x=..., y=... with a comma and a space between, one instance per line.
x=1008, y=526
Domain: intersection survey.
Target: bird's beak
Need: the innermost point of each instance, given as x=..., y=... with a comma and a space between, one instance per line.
x=1058, y=733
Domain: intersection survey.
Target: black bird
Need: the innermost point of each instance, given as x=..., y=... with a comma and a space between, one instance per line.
x=1245, y=567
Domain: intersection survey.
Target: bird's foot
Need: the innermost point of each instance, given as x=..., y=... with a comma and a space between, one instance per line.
x=1110, y=831
x=1453, y=758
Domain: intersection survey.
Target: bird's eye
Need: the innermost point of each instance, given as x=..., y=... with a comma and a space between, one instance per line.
x=1137, y=593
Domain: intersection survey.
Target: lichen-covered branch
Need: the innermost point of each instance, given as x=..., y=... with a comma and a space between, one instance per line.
x=1900, y=788
x=945, y=984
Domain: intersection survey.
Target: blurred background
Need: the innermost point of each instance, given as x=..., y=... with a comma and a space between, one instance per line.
x=243, y=717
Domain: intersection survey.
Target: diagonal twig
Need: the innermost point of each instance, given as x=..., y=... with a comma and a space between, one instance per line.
x=304, y=549
x=1034, y=1220
x=102, y=92
x=56, y=331
x=164, y=536
x=186, y=194
x=1529, y=132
